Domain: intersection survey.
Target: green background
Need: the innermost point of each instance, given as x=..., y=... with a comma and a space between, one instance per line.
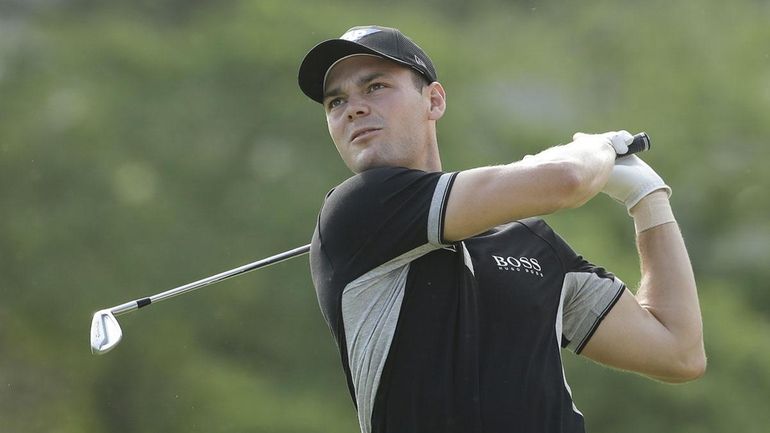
x=147, y=144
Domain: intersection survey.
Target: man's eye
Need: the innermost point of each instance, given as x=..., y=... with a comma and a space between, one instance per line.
x=376, y=86
x=334, y=103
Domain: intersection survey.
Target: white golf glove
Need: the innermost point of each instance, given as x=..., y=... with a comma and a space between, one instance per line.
x=632, y=179
x=620, y=140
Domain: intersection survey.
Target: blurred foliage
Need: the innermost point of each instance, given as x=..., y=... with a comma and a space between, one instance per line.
x=147, y=144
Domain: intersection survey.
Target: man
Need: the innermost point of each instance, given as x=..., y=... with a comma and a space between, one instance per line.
x=449, y=302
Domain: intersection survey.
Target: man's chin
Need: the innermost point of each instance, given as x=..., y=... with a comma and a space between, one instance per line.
x=364, y=167
x=364, y=163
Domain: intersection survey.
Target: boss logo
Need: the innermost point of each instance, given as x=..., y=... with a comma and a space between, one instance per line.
x=529, y=265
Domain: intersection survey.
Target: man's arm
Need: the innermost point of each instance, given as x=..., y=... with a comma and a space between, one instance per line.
x=658, y=332
x=558, y=178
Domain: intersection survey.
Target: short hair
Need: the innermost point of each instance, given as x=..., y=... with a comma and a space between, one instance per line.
x=419, y=80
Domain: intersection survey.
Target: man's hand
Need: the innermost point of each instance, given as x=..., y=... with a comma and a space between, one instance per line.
x=619, y=140
x=632, y=179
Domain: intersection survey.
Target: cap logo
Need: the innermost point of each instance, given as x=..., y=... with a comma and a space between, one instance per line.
x=357, y=33
x=419, y=61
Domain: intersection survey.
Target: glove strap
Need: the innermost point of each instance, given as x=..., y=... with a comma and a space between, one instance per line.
x=652, y=211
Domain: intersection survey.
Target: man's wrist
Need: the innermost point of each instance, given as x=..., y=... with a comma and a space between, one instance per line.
x=652, y=210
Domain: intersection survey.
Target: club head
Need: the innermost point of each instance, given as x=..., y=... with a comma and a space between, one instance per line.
x=105, y=332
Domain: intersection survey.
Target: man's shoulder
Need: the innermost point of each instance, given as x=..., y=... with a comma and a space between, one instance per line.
x=527, y=229
x=540, y=228
x=376, y=215
x=534, y=225
x=373, y=181
x=377, y=175
x=537, y=226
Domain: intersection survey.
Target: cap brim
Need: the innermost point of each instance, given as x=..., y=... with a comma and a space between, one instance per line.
x=318, y=60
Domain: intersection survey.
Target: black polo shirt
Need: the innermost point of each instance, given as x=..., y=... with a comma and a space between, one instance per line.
x=443, y=337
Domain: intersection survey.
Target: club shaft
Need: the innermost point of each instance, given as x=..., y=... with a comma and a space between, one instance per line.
x=640, y=143
x=143, y=302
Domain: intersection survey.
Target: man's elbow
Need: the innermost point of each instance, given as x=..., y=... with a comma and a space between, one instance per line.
x=576, y=185
x=695, y=367
x=688, y=368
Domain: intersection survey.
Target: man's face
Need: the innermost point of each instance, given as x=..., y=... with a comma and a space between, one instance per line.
x=377, y=116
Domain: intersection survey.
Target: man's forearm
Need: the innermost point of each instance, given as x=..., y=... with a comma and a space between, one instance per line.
x=589, y=162
x=561, y=177
x=668, y=289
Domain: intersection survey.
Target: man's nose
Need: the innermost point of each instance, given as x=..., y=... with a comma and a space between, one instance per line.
x=357, y=107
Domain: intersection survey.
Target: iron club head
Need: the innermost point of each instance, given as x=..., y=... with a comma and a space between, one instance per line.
x=105, y=332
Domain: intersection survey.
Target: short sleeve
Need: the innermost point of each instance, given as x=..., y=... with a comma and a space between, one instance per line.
x=589, y=294
x=382, y=213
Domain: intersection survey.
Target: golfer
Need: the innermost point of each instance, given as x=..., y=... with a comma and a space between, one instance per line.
x=449, y=299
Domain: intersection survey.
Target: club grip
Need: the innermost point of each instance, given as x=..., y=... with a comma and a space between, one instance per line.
x=641, y=143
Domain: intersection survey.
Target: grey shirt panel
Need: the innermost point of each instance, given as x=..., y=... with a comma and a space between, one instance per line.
x=587, y=299
x=370, y=311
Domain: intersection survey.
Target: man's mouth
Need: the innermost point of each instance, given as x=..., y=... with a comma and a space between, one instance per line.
x=363, y=132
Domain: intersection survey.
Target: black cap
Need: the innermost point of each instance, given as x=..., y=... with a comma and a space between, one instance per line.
x=384, y=42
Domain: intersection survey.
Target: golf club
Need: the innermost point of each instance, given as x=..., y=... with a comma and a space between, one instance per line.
x=106, y=332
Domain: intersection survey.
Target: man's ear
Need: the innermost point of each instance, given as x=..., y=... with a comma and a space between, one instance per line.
x=437, y=97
